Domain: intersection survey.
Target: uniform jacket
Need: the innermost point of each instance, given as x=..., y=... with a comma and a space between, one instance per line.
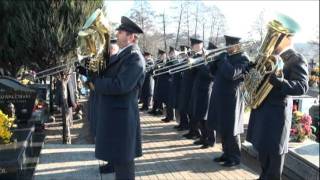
x=201, y=93
x=226, y=107
x=118, y=136
x=269, y=124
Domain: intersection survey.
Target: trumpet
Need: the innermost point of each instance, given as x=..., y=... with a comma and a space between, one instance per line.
x=207, y=57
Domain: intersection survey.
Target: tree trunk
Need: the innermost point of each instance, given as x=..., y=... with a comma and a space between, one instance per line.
x=142, y=27
x=195, y=30
x=51, y=95
x=212, y=27
x=188, y=27
x=217, y=34
x=164, y=33
x=66, y=134
x=203, y=33
x=177, y=39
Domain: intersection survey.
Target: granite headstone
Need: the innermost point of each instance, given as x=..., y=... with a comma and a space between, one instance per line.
x=23, y=98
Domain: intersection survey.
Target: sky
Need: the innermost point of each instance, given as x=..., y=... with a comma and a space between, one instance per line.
x=240, y=15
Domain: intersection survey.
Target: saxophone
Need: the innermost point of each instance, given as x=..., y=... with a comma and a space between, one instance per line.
x=93, y=41
x=256, y=84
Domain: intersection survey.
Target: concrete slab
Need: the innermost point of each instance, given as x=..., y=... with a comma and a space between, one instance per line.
x=67, y=162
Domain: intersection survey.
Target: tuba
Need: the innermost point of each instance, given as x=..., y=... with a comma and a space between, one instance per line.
x=256, y=84
x=93, y=41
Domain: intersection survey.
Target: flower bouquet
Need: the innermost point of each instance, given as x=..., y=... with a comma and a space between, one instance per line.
x=301, y=126
x=6, y=124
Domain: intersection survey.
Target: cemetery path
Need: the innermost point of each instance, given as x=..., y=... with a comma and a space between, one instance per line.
x=166, y=156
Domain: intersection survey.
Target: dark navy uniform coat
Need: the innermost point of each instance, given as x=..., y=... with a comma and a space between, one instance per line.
x=269, y=125
x=226, y=107
x=174, y=88
x=163, y=88
x=185, y=91
x=118, y=136
x=201, y=93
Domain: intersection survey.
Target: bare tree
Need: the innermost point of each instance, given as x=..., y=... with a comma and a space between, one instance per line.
x=259, y=26
x=143, y=15
x=177, y=39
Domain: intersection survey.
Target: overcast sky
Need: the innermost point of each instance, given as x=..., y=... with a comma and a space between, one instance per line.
x=240, y=15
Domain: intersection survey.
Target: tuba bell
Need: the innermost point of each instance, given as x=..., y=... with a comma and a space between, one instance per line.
x=93, y=41
x=256, y=84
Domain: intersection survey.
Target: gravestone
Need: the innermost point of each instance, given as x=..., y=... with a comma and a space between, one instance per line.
x=41, y=89
x=14, y=157
x=23, y=98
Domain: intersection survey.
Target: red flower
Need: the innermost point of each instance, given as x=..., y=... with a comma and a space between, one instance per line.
x=293, y=131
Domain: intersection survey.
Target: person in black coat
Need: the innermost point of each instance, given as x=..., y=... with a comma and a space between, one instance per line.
x=270, y=123
x=187, y=98
x=157, y=106
x=226, y=106
x=147, y=88
x=118, y=132
x=183, y=117
x=201, y=96
x=173, y=87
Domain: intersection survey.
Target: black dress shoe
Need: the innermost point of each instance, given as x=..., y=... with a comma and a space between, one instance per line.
x=183, y=128
x=191, y=136
x=177, y=126
x=144, y=109
x=107, y=168
x=198, y=142
x=152, y=112
x=230, y=163
x=158, y=113
x=206, y=145
x=164, y=119
x=220, y=159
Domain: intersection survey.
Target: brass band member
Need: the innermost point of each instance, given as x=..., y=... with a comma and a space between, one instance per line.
x=173, y=83
x=201, y=96
x=147, y=88
x=118, y=136
x=182, y=117
x=157, y=106
x=226, y=108
x=269, y=124
x=187, y=96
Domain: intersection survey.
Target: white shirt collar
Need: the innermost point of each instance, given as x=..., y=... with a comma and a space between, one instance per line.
x=122, y=49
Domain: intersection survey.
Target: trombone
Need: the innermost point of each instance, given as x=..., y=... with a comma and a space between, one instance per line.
x=55, y=70
x=206, y=58
x=180, y=59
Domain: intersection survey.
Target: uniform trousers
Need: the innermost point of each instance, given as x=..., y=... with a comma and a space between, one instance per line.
x=271, y=165
x=231, y=146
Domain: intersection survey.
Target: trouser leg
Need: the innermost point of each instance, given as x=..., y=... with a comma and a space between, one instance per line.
x=184, y=120
x=231, y=147
x=170, y=112
x=124, y=171
x=271, y=165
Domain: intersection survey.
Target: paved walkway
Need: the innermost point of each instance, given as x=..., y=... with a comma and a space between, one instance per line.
x=166, y=156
